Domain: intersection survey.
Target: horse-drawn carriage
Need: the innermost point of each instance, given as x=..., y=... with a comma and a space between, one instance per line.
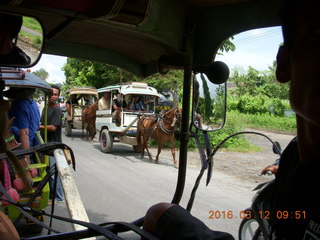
x=79, y=99
x=122, y=123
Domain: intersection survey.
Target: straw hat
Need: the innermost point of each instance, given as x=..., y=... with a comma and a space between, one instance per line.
x=17, y=93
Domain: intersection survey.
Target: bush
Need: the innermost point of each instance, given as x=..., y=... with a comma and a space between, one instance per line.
x=256, y=105
x=277, y=107
x=232, y=102
x=253, y=104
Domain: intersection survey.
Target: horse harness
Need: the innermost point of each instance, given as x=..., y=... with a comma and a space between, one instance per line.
x=161, y=120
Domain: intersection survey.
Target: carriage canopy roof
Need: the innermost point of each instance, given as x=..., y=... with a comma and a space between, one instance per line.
x=20, y=78
x=83, y=90
x=138, y=88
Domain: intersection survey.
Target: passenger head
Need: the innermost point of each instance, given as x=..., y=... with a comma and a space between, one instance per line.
x=107, y=95
x=298, y=59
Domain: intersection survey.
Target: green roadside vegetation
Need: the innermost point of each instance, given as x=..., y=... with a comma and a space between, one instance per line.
x=255, y=100
x=32, y=23
x=34, y=40
x=265, y=122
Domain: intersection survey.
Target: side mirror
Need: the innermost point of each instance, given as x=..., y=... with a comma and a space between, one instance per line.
x=208, y=102
x=21, y=40
x=276, y=149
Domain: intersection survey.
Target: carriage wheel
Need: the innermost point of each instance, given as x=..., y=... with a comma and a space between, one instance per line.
x=68, y=129
x=249, y=229
x=106, y=141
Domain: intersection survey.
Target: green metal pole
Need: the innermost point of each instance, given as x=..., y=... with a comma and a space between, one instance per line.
x=45, y=119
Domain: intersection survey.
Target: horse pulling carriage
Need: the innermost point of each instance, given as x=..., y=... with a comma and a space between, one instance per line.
x=121, y=123
x=80, y=98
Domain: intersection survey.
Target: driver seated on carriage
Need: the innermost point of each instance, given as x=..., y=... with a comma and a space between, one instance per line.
x=118, y=104
x=73, y=100
x=88, y=99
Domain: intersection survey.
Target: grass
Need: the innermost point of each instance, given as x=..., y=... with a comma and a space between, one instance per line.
x=32, y=24
x=238, y=122
x=245, y=147
x=265, y=122
x=35, y=41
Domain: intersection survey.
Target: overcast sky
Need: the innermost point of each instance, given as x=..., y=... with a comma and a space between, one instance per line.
x=256, y=48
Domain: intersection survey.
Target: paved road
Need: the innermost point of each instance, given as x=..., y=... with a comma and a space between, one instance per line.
x=121, y=186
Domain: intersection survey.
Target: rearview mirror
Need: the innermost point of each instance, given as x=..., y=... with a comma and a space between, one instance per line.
x=208, y=103
x=21, y=40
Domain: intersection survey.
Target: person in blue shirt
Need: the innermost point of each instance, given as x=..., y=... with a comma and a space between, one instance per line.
x=26, y=116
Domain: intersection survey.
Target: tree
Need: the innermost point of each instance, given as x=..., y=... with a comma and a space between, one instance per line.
x=208, y=108
x=41, y=73
x=254, y=82
x=80, y=72
x=227, y=46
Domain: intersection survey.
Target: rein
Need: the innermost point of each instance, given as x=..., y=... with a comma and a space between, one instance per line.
x=172, y=124
x=162, y=122
x=162, y=128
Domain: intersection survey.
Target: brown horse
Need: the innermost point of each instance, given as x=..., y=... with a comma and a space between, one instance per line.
x=88, y=116
x=161, y=129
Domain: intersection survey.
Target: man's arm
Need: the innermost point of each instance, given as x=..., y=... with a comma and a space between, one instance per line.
x=114, y=105
x=50, y=128
x=54, y=121
x=24, y=138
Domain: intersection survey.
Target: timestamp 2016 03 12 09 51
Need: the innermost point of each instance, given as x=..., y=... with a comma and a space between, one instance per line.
x=229, y=214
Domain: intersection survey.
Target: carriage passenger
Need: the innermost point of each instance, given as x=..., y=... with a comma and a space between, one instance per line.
x=27, y=116
x=117, y=105
x=104, y=102
x=138, y=104
x=73, y=100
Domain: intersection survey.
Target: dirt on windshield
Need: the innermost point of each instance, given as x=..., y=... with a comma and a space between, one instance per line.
x=244, y=166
